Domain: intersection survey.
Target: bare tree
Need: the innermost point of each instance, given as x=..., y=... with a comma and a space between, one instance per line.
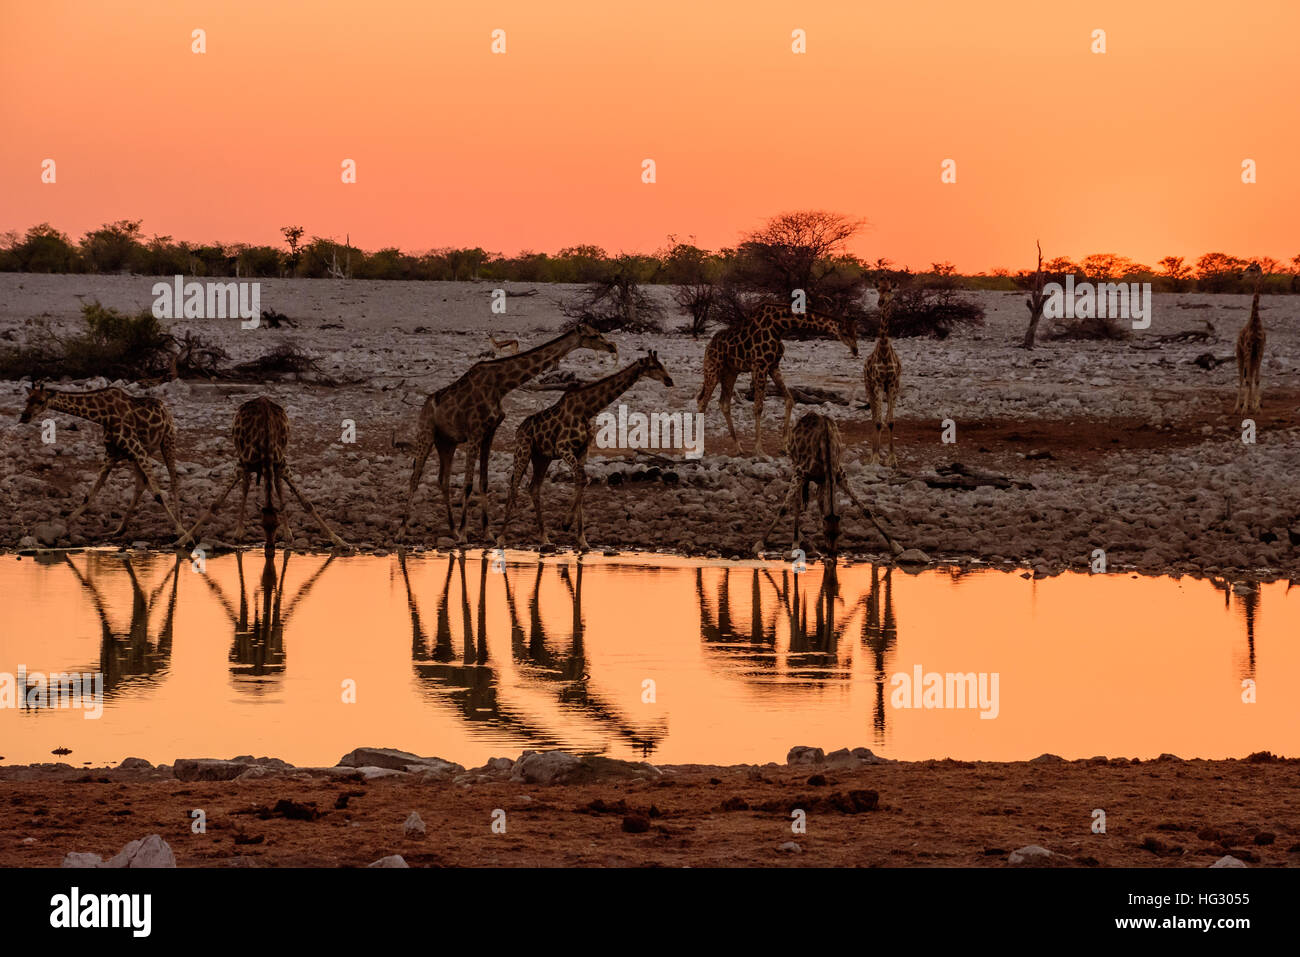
x=1036, y=300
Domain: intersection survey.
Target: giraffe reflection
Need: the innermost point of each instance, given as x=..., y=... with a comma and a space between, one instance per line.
x=257, y=655
x=130, y=654
x=471, y=684
x=1248, y=606
x=566, y=673
x=474, y=684
x=782, y=637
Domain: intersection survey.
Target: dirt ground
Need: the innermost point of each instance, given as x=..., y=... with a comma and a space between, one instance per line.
x=1127, y=446
x=1166, y=813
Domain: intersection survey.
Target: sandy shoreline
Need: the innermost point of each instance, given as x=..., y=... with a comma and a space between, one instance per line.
x=859, y=811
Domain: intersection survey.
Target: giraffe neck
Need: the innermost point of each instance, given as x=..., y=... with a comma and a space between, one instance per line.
x=1254, y=321
x=84, y=405
x=590, y=399
x=810, y=321
x=514, y=371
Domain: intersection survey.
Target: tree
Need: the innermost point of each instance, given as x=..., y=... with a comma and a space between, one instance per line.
x=1035, y=302
x=113, y=246
x=293, y=236
x=618, y=300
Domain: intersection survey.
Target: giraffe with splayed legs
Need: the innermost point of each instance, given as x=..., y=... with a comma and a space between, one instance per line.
x=564, y=431
x=136, y=428
x=261, y=435
x=1250, y=350
x=816, y=450
x=468, y=412
x=755, y=346
x=881, y=374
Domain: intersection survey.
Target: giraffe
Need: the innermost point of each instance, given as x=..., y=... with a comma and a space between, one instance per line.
x=261, y=435
x=468, y=412
x=136, y=428
x=1250, y=350
x=564, y=431
x=815, y=452
x=754, y=346
x=881, y=374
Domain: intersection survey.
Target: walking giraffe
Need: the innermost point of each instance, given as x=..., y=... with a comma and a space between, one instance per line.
x=816, y=450
x=755, y=346
x=564, y=431
x=881, y=374
x=261, y=435
x=136, y=428
x=1250, y=350
x=468, y=412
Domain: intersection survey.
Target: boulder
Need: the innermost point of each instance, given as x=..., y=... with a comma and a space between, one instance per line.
x=912, y=556
x=414, y=826
x=151, y=851
x=49, y=533
x=392, y=860
x=801, y=754
x=78, y=859
x=561, y=767
x=395, y=760
x=133, y=764
x=1227, y=860
x=1030, y=854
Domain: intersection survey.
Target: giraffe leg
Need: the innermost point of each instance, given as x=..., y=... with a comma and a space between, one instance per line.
x=894, y=547
x=789, y=406
x=892, y=461
x=761, y=544
x=309, y=507
x=141, y=458
x=1240, y=404
x=522, y=459
x=446, y=460
x=462, y=528
x=243, y=509
x=417, y=470
x=877, y=401
x=484, y=456
x=140, y=483
x=104, y=472
x=285, y=528
x=759, y=379
x=207, y=515
x=577, y=465
x=535, y=490
x=168, y=453
x=728, y=388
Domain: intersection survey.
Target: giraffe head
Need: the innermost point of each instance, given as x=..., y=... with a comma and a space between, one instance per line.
x=1253, y=273
x=846, y=327
x=884, y=297
x=653, y=369
x=37, y=402
x=589, y=337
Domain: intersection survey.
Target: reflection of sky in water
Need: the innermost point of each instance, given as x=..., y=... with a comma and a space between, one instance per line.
x=675, y=660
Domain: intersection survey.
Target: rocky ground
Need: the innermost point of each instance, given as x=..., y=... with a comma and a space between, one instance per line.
x=1125, y=446
x=389, y=808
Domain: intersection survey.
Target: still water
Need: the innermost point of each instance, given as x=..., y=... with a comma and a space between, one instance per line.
x=675, y=660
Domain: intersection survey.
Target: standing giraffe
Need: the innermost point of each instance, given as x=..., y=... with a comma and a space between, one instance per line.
x=881, y=374
x=1250, y=350
x=564, y=431
x=136, y=428
x=261, y=434
x=755, y=346
x=468, y=412
x=815, y=453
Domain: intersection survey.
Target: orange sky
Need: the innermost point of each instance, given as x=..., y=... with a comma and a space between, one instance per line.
x=1137, y=151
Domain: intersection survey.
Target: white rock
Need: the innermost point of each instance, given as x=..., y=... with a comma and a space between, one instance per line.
x=414, y=826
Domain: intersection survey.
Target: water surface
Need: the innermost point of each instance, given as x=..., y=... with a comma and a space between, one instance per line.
x=673, y=660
